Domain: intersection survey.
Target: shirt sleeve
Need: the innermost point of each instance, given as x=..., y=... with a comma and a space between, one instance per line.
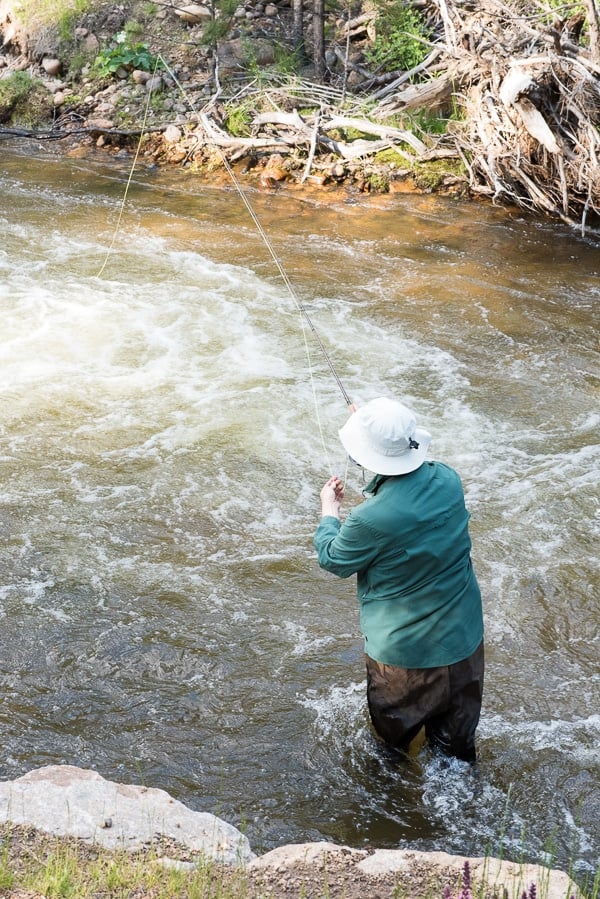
x=344, y=549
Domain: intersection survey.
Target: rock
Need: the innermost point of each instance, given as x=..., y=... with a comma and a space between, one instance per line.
x=194, y=13
x=271, y=10
x=140, y=77
x=59, y=98
x=76, y=153
x=100, y=124
x=153, y=84
x=51, y=66
x=172, y=134
x=274, y=171
x=91, y=43
x=264, y=52
x=502, y=877
x=54, y=86
x=67, y=801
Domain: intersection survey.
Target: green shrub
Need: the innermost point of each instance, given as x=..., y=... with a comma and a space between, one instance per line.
x=402, y=36
x=238, y=118
x=14, y=91
x=123, y=54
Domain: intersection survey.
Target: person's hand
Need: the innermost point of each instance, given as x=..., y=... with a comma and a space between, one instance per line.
x=332, y=495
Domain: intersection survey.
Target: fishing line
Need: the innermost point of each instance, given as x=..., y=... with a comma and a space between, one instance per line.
x=128, y=183
x=305, y=317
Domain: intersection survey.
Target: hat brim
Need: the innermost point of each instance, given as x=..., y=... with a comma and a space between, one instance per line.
x=354, y=442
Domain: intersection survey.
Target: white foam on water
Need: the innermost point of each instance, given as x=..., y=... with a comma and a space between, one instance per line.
x=304, y=641
x=341, y=710
x=578, y=738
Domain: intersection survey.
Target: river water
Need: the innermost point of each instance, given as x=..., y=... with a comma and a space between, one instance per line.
x=163, y=441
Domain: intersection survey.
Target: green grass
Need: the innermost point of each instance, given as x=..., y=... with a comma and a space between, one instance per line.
x=51, y=11
x=68, y=869
x=62, y=868
x=24, y=101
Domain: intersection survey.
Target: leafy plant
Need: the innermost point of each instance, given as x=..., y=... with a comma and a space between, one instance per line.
x=402, y=37
x=123, y=54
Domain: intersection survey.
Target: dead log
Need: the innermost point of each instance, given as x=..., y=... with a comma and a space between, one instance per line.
x=398, y=135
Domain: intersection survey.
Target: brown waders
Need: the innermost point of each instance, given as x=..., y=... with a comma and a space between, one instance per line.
x=445, y=701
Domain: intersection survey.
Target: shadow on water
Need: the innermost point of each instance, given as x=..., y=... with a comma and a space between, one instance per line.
x=163, y=617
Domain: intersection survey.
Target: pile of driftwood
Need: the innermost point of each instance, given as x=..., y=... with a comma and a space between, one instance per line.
x=530, y=91
x=520, y=85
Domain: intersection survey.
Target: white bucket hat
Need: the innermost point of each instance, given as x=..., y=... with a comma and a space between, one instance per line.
x=383, y=436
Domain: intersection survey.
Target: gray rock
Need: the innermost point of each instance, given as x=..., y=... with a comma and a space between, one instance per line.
x=154, y=84
x=498, y=874
x=51, y=66
x=140, y=77
x=69, y=801
x=172, y=134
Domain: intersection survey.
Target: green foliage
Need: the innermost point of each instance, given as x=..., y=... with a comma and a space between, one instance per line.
x=7, y=876
x=77, y=61
x=132, y=28
x=559, y=9
x=390, y=157
x=16, y=87
x=287, y=60
x=379, y=182
x=238, y=119
x=123, y=54
x=24, y=100
x=431, y=176
x=218, y=27
x=56, y=12
x=402, y=36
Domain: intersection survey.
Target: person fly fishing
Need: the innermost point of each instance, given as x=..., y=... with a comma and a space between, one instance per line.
x=420, y=603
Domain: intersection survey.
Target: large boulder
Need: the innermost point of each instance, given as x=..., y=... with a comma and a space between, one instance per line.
x=67, y=801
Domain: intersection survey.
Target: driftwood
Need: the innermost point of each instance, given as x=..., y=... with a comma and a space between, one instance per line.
x=530, y=93
x=520, y=87
x=292, y=130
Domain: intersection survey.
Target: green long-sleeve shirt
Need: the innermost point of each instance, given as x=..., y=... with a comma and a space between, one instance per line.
x=409, y=545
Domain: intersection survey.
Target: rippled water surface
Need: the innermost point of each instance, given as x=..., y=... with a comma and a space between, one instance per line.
x=163, y=618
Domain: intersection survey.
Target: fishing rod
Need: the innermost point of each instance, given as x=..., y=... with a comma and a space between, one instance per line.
x=265, y=237
x=305, y=317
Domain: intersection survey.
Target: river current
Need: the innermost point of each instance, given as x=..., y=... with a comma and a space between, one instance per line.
x=163, y=439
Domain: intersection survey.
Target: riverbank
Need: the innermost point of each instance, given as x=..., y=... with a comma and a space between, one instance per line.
x=79, y=835
x=386, y=103
x=168, y=105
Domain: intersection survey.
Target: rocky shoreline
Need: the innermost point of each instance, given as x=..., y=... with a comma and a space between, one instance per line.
x=174, y=116
x=63, y=802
